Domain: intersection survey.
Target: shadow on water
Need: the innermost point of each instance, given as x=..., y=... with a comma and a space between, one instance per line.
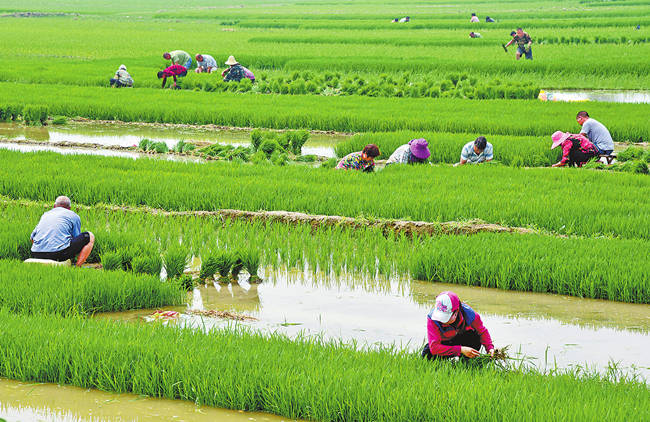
x=552, y=329
x=21, y=401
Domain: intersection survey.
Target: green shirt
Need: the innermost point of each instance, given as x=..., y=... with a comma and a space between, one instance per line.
x=180, y=57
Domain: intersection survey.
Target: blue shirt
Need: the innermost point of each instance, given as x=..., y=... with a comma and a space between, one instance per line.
x=472, y=157
x=55, y=230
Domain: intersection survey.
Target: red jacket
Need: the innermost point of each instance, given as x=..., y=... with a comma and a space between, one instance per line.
x=174, y=70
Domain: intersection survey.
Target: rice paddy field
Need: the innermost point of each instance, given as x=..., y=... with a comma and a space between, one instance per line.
x=236, y=275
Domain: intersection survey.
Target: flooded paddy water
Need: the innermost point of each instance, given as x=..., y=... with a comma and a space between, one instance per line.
x=110, y=136
x=609, y=96
x=22, y=401
x=552, y=330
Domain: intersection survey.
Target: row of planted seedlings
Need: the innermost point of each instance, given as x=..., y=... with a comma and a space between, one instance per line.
x=515, y=151
x=267, y=147
x=534, y=197
x=345, y=114
x=510, y=261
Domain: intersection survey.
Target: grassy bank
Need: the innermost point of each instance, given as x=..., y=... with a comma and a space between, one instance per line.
x=34, y=288
x=309, y=380
x=531, y=262
x=345, y=114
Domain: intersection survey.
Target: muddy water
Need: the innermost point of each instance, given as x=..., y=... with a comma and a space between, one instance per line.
x=552, y=329
x=23, y=402
x=130, y=135
x=609, y=96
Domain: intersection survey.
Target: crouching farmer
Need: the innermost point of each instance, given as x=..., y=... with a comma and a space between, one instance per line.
x=122, y=78
x=455, y=329
x=58, y=235
x=576, y=149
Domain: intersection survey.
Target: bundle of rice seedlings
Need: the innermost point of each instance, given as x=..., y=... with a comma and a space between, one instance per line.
x=224, y=261
x=112, y=261
x=208, y=267
x=186, y=282
x=237, y=266
x=147, y=264
x=176, y=259
x=251, y=260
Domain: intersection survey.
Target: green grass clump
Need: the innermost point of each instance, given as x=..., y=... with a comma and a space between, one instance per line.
x=59, y=120
x=630, y=153
x=112, y=261
x=208, y=267
x=175, y=260
x=145, y=144
x=32, y=288
x=147, y=264
x=223, y=261
x=311, y=379
x=251, y=261
x=35, y=114
x=159, y=147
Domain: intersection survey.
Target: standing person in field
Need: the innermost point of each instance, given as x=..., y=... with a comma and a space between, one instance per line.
x=363, y=160
x=236, y=72
x=474, y=18
x=576, y=149
x=415, y=152
x=455, y=329
x=175, y=70
x=122, y=78
x=476, y=152
x=58, y=235
x=524, y=43
x=205, y=63
x=596, y=132
x=179, y=57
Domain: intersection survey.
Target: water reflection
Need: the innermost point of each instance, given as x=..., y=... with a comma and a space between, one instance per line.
x=609, y=96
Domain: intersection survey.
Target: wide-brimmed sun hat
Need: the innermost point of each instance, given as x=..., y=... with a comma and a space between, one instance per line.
x=446, y=304
x=122, y=67
x=420, y=148
x=559, y=137
x=231, y=61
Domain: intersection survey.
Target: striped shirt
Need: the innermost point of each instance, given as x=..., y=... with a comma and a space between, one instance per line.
x=472, y=157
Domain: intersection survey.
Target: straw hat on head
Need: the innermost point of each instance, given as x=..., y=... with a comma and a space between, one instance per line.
x=231, y=61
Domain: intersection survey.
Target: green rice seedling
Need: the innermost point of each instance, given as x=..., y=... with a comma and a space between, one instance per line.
x=297, y=139
x=145, y=144
x=35, y=114
x=279, y=158
x=251, y=260
x=180, y=145
x=269, y=146
x=630, y=153
x=112, y=261
x=147, y=264
x=32, y=289
x=223, y=262
x=186, y=282
x=237, y=265
x=175, y=260
x=59, y=120
x=209, y=267
x=312, y=379
x=159, y=147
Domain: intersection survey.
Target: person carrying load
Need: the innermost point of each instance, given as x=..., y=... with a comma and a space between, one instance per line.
x=455, y=329
x=122, y=78
x=175, y=70
x=205, y=63
x=524, y=43
x=179, y=57
x=363, y=160
x=576, y=149
x=58, y=235
x=415, y=152
x=236, y=72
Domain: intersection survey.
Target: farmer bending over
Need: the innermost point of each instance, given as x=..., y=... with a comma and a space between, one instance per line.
x=205, y=63
x=455, y=329
x=122, y=78
x=236, y=72
x=524, y=43
x=174, y=71
x=363, y=160
x=596, y=132
x=415, y=152
x=58, y=235
x=476, y=152
x=576, y=149
x=179, y=57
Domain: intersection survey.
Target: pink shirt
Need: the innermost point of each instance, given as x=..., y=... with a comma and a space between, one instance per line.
x=585, y=146
x=437, y=336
